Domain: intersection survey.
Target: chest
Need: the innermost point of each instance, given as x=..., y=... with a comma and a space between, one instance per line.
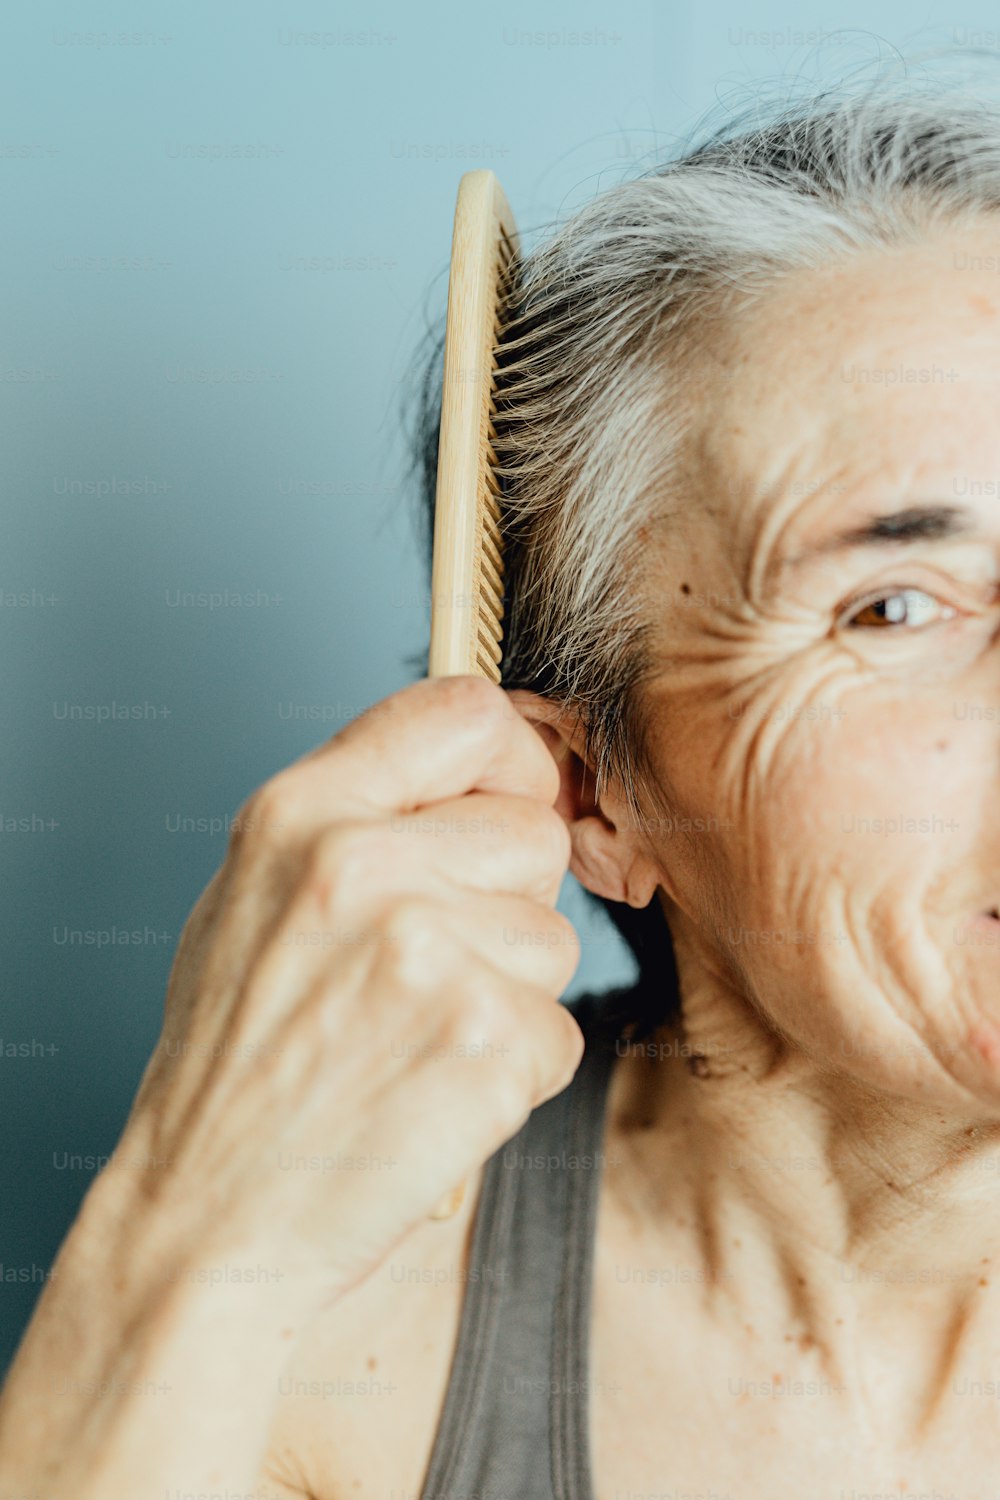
x=678, y=1406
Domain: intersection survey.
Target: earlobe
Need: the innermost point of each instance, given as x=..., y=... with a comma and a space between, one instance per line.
x=593, y=862
x=608, y=866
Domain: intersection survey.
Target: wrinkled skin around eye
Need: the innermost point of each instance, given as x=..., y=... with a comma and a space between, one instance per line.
x=845, y=777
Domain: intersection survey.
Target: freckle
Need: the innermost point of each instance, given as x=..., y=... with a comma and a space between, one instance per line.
x=941, y=745
x=287, y=1333
x=982, y=304
x=372, y=1362
x=983, y=1281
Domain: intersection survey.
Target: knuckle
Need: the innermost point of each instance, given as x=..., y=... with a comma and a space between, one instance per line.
x=511, y=1094
x=565, y=941
x=575, y=1041
x=480, y=1013
x=543, y=834
x=474, y=695
x=412, y=946
x=268, y=810
x=567, y=932
x=482, y=1019
x=341, y=863
x=551, y=836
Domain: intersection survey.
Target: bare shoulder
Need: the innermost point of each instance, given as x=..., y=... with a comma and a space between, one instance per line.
x=360, y=1400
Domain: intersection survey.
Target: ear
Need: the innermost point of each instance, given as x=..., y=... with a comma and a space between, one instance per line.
x=608, y=855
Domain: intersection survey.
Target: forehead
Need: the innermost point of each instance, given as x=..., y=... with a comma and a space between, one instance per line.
x=851, y=383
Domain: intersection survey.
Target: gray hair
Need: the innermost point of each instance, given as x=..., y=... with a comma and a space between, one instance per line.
x=599, y=357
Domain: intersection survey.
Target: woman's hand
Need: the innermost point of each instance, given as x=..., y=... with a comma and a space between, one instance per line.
x=363, y=1007
x=364, y=1003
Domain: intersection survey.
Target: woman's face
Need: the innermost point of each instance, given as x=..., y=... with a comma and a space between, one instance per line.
x=829, y=705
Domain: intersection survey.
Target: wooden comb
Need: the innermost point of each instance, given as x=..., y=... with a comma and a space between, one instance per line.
x=467, y=567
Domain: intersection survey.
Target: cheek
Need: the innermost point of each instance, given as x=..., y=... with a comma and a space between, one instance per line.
x=831, y=774
x=810, y=773
x=871, y=817
x=841, y=831
x=836, y=812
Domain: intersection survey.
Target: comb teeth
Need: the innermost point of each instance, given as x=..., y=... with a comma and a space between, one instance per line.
x=492, y=584
x=489, y=632
x=491, y=549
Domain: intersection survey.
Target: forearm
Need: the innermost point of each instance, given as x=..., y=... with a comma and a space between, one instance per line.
x=130, y=1383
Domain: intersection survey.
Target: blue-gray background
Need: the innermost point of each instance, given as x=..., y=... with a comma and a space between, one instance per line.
x=223, y=229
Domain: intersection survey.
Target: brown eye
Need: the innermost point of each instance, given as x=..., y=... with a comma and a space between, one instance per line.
x=897, y=607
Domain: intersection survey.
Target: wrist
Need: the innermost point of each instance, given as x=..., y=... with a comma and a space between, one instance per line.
x=135, y=1248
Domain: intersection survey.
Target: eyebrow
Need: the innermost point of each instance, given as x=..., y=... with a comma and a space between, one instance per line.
x=915, y=523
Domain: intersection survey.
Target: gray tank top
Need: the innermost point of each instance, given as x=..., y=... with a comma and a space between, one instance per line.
x=514, y=1421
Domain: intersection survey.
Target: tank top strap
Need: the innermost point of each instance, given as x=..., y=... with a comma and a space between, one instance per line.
x=514, y=1422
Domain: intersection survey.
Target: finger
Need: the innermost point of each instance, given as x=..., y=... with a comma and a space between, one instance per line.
x=480, y=841
x=453, y=1106
x=435, y=739
x=440, y=943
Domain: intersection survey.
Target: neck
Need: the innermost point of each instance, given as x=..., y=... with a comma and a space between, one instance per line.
x=861, y=1230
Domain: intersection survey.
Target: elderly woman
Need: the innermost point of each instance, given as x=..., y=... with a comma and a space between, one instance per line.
x=731, y=1231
